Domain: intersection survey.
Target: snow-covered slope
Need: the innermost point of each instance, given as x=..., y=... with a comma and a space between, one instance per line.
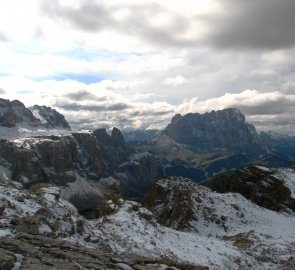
x=288, y=175
x=224, y=231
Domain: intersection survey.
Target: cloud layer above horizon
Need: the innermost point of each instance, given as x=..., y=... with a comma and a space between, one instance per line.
x=134, y=64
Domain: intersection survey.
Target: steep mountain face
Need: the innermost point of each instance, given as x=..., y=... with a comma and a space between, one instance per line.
x=265, y=187
x=50, y=117
x=85, y=165
x=224, y=130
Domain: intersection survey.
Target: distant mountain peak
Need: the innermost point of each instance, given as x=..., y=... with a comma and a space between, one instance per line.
x=13, y=113
x=223, y=130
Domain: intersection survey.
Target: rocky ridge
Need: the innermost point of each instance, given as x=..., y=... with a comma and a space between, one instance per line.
x=85, y=165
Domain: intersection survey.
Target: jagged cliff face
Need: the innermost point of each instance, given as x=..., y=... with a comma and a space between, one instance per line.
x=224, y=130
x=85, y=164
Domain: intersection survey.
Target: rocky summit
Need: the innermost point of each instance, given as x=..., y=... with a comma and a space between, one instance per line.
x=13, y=113
x=224, y=130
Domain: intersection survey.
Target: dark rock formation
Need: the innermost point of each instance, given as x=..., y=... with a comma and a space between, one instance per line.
x=113, y=146
x=77, y=163
x=48, y=159
x=171, y=201
x=136, y=174
x=224, y=130
x=261, y=186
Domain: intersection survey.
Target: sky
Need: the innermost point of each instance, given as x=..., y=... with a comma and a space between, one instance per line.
x=136, y=63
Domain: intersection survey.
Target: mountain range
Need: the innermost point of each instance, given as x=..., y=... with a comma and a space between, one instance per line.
x=91, y=200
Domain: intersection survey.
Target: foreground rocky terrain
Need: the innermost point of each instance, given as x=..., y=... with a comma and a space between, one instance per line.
x=187, y=226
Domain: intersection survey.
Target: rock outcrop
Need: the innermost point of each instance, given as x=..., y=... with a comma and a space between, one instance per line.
x=265, y=187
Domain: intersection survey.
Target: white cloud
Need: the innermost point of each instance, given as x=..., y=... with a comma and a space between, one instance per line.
x=147, y=60
x=175, y=81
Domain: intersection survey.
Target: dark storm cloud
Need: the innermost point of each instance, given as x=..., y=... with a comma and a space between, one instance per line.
x=253, y=24
x=242, y=24
x=73, y=106
x=269, y=107
x=92, y=16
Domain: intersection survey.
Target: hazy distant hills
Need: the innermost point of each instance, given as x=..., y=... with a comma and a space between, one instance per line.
x=279, y=143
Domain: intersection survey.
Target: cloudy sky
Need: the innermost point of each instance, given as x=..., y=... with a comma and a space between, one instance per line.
x=135, y=63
